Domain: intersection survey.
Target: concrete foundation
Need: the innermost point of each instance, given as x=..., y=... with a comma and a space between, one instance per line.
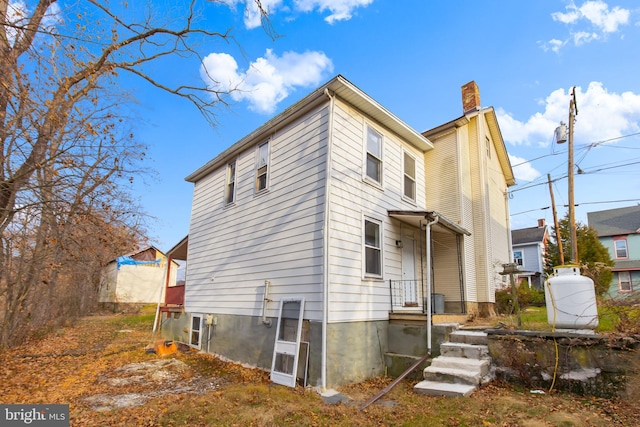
x=355, y=350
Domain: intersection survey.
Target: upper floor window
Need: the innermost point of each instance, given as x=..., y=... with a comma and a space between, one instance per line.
x=409, y=177
x=374, y=155
x=624, y=281
x=230, y=191
x=372, y=248
x=487, y=146
x=262, y=167
x=517, y=258
x=620, y=247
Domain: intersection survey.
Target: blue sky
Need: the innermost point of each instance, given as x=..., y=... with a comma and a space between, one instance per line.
x=413, y=56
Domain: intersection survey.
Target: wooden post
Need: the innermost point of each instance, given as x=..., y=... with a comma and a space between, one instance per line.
x=555, y=222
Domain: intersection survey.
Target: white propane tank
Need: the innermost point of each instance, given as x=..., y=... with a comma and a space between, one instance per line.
x=571, y=299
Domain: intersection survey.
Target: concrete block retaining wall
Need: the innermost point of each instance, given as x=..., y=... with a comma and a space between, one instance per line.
x=596, y=365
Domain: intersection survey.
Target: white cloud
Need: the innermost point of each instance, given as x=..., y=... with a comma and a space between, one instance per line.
x=522, y=169
x=268, y=80
x=18, y=14
x=341, y=10
x=596, y=14
x=252, y=14
x=554, y=45
x=602, y=115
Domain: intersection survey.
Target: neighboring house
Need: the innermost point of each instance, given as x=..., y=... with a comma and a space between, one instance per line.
x=619, y=231
x=135, y=278
x=335, y=219
x=529, y=249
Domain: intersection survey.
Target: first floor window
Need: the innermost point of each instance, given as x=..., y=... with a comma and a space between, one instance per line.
x=624, y=281
x=196, y=326
x=373, y=248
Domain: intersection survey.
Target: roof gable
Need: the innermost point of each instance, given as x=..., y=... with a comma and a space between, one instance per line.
x=496, y=135
x=528, y=235
x=339, y=87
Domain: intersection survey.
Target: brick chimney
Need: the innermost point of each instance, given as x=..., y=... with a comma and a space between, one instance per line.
x=470, y=97
x=541, y=223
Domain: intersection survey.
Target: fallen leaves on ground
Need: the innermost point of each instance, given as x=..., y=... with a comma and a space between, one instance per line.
x=101, y=369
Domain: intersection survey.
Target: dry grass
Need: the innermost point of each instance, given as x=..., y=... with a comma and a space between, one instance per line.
x=76, y=364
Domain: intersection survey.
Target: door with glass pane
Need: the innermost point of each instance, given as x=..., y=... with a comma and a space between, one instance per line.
x=284, y=366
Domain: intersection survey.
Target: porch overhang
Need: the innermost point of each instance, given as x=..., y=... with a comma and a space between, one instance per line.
x=417, y=218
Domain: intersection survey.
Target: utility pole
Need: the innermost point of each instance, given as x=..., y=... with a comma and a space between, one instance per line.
x=555, y=221
x=573, y=111
x=561, y=137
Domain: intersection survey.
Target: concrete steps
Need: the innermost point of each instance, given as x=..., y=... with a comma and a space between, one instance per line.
x=463, y=365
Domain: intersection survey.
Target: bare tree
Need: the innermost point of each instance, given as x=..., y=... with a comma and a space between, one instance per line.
x=64, y=149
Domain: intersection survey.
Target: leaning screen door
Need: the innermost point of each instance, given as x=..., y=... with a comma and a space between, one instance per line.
x=284, y=366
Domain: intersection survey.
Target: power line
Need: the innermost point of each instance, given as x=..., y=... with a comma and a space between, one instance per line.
x=577, y=204
x=587, y=147
x=587, y=172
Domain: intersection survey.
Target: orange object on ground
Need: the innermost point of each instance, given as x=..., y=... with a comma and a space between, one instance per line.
x=165, y=347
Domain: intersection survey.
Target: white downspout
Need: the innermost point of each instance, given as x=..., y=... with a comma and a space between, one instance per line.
x=428, y=243
x=327, y=204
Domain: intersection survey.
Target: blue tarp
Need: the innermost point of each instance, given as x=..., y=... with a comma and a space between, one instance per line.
x=127, y=260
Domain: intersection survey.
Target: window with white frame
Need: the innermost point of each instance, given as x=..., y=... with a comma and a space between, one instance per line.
x=487, y=146
x=517, y=258
x=196, y=329
x=620, y=246
x=624, y=281
x=262, y=166
x=409, y=167
x=374, y=155
x=372, y=247
x=230, y=191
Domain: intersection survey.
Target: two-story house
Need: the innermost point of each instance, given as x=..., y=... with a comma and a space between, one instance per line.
x=619, y=231
x=529, y=249
x=308, y=234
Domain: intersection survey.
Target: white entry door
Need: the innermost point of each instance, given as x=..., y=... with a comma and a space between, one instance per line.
x=284, y=366
x=410, y=284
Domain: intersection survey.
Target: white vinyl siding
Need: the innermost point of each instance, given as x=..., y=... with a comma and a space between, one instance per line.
x=276, y=237
x=352, y=297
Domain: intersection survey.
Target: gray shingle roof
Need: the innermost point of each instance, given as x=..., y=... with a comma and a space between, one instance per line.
x=627, y=265
x=614, y=222
x=527, y=235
